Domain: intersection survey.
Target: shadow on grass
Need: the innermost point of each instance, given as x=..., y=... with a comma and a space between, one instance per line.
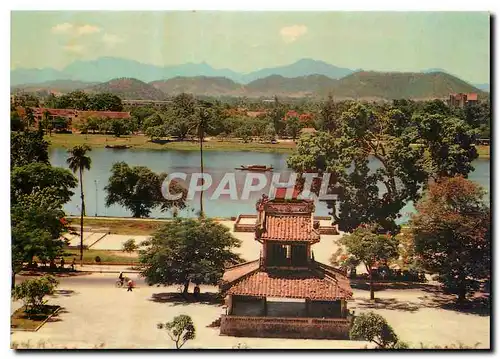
x=64, y=293
x=186, y=299
x=479, y=305
x=380, y=286
x=388, y=303
x=40, y=273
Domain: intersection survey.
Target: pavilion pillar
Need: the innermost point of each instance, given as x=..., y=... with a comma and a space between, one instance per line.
x=264, y=306
x=343, y=308
x=229, y=304
x=308, y=307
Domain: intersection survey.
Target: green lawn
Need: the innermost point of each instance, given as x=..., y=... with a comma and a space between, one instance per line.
x=142, y=142
x=117, y=226
x=22, y=321
x=89, y=256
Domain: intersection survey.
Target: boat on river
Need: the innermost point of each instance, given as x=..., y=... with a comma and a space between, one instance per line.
x=118, y=147
x=255, y=168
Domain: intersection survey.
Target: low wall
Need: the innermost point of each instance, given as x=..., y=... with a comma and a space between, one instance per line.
x=275, y=327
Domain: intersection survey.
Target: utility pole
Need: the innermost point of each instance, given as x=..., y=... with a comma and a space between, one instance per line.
x=95, y=181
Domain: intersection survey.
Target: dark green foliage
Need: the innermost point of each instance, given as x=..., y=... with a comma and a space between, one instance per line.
x=187, y=251
x=139, y=190
x=36, y=176
x=374, y=328
x=27, y=147
x=33, y=291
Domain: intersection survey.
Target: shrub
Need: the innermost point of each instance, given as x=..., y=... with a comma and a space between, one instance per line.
x=180, y=329
x=374, y=328
x=32, y=292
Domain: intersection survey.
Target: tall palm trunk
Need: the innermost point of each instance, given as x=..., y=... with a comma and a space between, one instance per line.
x=82, y=212
x=202, y=213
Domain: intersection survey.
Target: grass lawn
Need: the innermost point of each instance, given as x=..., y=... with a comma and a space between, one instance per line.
x=139, y=141
x=21, y=321
x=116, y=226
x=114, y=257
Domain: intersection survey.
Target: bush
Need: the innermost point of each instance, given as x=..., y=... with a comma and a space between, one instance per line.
x=32, y=292
x=374, y=328
x=180, y=329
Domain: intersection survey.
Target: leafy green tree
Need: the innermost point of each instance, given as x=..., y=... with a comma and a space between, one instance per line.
x=59, y=123
x=270, y=133
x=293, y=127
x=29, y=117
x=92, y=123
x=156, y=132
x=77, y=100
x=186, y=251
x=245, y=132
x=78, y=161
x=118, y=127
x=129, y=246
x=181, y=329
x=27, y=147
x=140, y=190
x=104, y=102
x=366, y=246
x=449, y=142
x=452, y=234
x=33, y=291
x=34, y=176
x=25, y=100
x=277, y=115
x=142, y=113
x=374, y=328
x=154, y=120
x=36, y=224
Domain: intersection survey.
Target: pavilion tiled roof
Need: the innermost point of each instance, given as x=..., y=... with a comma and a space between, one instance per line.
x=289, y=228
x=305, y=284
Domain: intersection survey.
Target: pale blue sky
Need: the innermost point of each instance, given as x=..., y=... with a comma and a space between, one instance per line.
x=246, y=41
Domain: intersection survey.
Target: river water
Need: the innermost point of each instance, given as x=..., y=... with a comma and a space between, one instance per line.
x=217, y=164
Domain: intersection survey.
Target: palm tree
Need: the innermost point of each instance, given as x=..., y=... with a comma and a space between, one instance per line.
x=203, y=117
x=78, y=161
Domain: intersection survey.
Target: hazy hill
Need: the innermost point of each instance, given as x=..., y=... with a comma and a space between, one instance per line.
x=200, y=85
x=57, y=86
x=394, y=85
x=129, y=89
x=311, y=85
x=303, y=67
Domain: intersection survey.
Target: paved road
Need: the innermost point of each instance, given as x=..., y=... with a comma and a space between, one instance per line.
x=90, y=280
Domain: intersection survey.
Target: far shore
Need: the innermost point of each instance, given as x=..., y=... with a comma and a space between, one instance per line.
x=210, y=144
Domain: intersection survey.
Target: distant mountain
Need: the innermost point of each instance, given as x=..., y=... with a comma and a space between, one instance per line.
x=394, y=85
x=300, y=68
x=311, y=85
x=484, y=87
x=200, y=85
x=129, y=89
x=57, y=86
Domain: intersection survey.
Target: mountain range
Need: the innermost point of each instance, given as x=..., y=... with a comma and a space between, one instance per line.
x=133, y=80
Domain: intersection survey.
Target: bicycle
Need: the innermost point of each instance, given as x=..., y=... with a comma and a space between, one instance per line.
x=121, y=283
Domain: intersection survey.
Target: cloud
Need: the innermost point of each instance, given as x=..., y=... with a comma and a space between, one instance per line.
x=68, y=28
x=292, y=33
x=87, y=29
x=111, y=39
x=77, y=49
x=62, y=28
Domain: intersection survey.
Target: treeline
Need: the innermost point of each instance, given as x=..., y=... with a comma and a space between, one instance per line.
x=243, y=119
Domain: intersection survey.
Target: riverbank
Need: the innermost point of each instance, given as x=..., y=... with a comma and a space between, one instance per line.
x=143, y=142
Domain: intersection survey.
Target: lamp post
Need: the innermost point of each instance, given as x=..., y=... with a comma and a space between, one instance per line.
x=95, y=181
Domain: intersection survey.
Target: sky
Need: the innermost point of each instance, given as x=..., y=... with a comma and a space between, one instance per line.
x=458, y=42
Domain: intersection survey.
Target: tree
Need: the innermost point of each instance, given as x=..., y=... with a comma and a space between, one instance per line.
x=33, y=291
x=104, y=102
x=27, y=147
x=29, y=117
x=180, y=330
x=374, y=328
x=385, y=135
x=452, y=234
x=129, y=246
x=293, y=127
x=367, y=246
x=78, y=161
x=277, y=115
x=245, y=132
x=36, y=176
x=36, y=224
x=118, y=127
x=450, y=144
x=77, y=100
x=140, y=190
x=186, y=251
x=16, y=123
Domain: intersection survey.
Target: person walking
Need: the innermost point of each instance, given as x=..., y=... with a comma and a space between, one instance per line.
x=130, y=285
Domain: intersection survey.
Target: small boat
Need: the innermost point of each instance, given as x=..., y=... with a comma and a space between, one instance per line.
x=118, y=147
x=255, y=168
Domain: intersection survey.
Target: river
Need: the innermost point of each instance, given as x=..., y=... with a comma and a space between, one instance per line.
x=217, y=164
